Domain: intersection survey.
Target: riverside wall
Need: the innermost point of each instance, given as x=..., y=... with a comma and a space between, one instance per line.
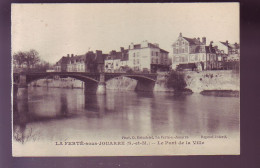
x=197, y=82
x=58, y=83
x=212, y=80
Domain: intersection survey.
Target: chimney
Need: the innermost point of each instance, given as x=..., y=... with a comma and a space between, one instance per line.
x=204, y=40
x=236, y=45
x=68, y=55
x=122, y=49
x=99, y=52
x=72, y=55
x=131, y=46
x=156, y=44
x=198, y=39
x=180, y=34
x=227, y=42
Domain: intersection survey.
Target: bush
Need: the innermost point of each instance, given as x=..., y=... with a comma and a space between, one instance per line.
x=176, y=81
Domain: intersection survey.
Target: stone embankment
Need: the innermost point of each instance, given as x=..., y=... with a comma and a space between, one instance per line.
x=206, y=82
x=221, y=80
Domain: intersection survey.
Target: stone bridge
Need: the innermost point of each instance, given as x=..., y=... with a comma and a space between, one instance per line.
x=94, y=82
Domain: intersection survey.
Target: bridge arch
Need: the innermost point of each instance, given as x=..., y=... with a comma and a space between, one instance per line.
x=33, y=77
x=145, y=82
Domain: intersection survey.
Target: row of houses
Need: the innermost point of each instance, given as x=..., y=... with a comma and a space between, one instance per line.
x=193, y=53
x=143, y=57
x=89, y=62
x=188, y=54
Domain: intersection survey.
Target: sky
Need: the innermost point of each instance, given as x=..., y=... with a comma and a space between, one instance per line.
x=55, y=30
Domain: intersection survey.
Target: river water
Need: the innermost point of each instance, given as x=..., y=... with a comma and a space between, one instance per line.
x=58, y=114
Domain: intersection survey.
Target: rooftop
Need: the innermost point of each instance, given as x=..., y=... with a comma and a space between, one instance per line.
x=193, y=41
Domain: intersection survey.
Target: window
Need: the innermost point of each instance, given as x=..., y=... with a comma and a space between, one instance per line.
x=176, y=51
x=134, y=55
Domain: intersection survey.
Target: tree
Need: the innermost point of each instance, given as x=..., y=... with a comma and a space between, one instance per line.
x=176, y=81
x=19, y=58
x=30, y=58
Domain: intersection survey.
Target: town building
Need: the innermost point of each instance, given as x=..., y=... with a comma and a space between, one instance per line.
x=230, y=54
x=117, y=61
x=194, y=54
x=143, y=57
x=148, y=57
x=89, y=62
x=61, y=65
x=232, y=51
x=76, y=63
x=189, y=53
x=212, y=61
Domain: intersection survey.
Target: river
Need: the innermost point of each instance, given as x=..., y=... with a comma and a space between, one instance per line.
x=58, y=114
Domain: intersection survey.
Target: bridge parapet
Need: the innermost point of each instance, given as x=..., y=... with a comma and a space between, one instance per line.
x=137, y=76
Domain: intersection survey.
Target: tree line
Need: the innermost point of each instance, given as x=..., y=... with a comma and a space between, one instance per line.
x=29, y=61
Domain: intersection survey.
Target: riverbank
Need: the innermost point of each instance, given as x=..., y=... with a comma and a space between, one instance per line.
x=221, y=80
x=220, y=93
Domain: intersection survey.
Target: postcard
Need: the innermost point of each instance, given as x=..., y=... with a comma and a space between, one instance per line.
x=125, y=79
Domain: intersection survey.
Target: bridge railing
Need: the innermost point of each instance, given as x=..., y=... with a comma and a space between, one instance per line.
x=89, y=73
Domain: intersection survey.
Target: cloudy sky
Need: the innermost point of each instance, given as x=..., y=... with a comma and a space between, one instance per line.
x=55, y=30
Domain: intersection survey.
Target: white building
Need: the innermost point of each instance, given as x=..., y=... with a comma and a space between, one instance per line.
x=147, y=56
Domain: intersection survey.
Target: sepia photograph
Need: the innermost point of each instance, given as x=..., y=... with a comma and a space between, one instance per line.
x=125, y=79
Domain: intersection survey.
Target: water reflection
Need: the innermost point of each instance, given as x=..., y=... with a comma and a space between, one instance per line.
x=95, y=105
x=64, y=105
x=57, y=112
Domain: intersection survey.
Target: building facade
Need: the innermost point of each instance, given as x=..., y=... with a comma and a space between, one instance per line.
x=212, y=60
x=148, y=57
x=89, y=62
x=232, y=51
x=61, y=65
x=194, y=54
x=230, y=54
x=117, y=61
x=189, y=53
